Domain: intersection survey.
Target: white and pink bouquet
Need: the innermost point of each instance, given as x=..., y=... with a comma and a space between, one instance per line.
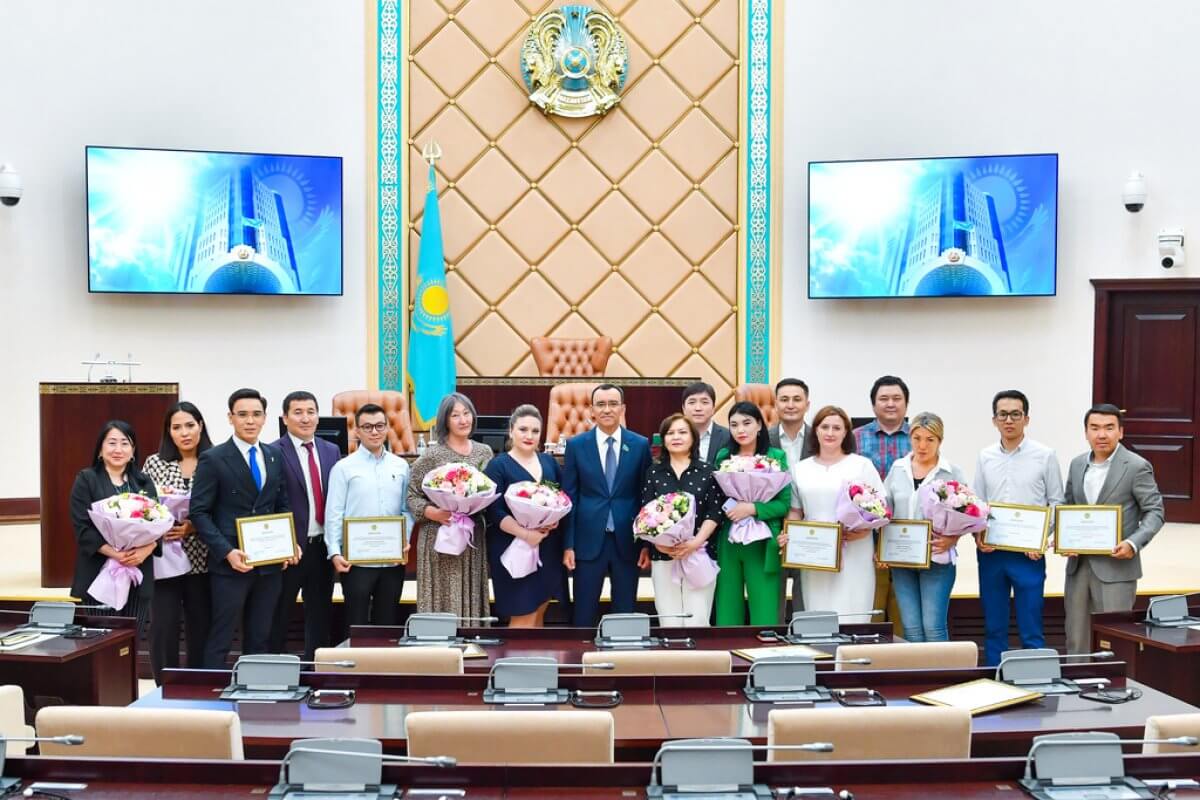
x=953, y=509
x=125, y=521
x=861, y=507
x=533, y=505
x=462, y=490
x=669, y=520
x=174, y=561
x=751, y=479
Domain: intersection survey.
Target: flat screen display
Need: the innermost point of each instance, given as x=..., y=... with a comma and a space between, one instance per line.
x=933, y=227
x=195, y=222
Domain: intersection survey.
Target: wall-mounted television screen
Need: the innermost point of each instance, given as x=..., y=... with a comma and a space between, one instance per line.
x=193, y=222
x=933, y=227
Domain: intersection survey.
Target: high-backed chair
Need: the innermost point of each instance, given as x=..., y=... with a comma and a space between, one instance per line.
x=513, y=737
x=12, y=719
x=1166, y=726
x=569, y=410
x=871, y=734
x=661, y=662
x=763, y=396
x=910, y=655
x=400, y=660
x=113, y=732
x=572, y=357
x=394, y=404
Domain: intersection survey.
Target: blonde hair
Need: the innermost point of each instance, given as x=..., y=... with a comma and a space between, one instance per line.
x=930, y=422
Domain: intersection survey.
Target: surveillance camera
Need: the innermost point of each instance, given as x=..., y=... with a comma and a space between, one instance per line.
x=1170, y=248
x=10, y=185
x=1134, y=193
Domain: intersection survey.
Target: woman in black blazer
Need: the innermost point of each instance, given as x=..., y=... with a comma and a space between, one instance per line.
x=113, y=470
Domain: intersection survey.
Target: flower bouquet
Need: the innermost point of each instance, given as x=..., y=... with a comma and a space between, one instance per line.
x=861, y=507
x=174, y=561
x=533, y=505
x=953, y=508
x=669, y=520
x=125, y=521
x=750, y=479
x=462, y=490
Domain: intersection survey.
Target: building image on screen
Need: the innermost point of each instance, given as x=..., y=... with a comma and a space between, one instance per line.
x=981, y=226
x=220, y=223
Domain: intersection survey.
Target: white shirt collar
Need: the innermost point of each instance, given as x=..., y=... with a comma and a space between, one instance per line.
x=244, y=447
x=1017, y=449
x=906, y=461
x=1106, y=461
x=783, y=436
x=383, y=453
x=707, y=431
x=298, y=442
x=602, y=438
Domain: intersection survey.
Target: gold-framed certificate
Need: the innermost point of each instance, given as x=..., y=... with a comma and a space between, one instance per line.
x=375, y=540
x=1086, y=530
x=267, y=539
x=978, y=696
x=905, y=543
x=1021, y=529
x=781, y=651
x=813, y=545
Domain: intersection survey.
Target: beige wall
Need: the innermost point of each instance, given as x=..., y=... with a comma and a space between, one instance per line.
x=624, y=225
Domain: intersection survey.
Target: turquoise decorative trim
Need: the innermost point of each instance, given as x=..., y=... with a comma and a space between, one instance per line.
x=389, y=228
x=758, y=195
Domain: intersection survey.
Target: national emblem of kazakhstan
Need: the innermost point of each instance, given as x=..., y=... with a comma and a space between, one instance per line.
x=574, y=61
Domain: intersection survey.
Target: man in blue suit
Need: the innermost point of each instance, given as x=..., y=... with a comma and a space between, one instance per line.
x=602, y=473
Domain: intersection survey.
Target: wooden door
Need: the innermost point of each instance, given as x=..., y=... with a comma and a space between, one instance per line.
x=1147, y=362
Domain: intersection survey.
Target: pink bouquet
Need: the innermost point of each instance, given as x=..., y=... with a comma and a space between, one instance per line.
x=173, y=562
x=750, y=479
x=533, y=505
x=953, y=509
x=669, y=520
x=125, y=521
x=861, y=507
x=462, y=490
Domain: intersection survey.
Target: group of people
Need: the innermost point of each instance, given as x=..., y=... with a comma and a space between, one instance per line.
x=609, y=474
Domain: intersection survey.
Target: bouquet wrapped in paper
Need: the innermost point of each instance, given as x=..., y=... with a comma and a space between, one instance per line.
x=751, y=479
x=861, y=507
x=174, y=561
x=670, y=520
x=462, y=490
x=125, y=521
x=953, y=509
x=533, y=505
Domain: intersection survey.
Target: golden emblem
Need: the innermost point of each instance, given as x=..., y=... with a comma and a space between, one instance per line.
x=574, y=61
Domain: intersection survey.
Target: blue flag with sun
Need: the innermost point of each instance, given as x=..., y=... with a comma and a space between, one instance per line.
x=431, y=370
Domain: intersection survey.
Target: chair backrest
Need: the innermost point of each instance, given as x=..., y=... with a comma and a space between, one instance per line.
x=660, y=662
x=12, y=719
x=1166, y=726
x=513, y=737
x=394, y=404
x=399, y=660
x=142, y=732
x=573, y=357
x=763, y=396
x=862, y=734
x=569, y=410
x=911, y=655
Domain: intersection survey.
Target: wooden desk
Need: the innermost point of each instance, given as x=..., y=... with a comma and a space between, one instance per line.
x=1166, y=658
x=88, y=672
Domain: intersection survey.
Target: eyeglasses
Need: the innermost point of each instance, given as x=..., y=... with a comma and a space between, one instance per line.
x=250, y=414
x=1005, y=416
x=377, y=427
x=614, y=405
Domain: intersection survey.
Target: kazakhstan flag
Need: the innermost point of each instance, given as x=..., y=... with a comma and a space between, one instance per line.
x=431, y=370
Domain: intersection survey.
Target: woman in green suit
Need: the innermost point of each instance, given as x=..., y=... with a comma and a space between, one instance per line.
x=751, y=569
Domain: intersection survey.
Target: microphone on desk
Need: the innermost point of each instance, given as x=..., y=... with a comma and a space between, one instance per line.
x=435, y=761
x=283, y=658
x=518, y=661
x=703, y=746
x=1093, y=741
x=68, y=739
x=1025, y=655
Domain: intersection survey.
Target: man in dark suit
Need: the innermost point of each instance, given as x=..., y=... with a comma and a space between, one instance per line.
x=307, y=461
x=240, y=478
x=699, y=405
x=603, y=472
x=790, y=435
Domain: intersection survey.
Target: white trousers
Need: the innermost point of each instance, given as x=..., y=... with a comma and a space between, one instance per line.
x=670, y=598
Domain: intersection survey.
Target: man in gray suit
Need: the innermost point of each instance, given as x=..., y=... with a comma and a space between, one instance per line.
x=698, y=405
x=1109, y=475
x=790, y=435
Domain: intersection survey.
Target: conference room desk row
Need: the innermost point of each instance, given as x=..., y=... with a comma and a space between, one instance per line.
x=1166, y=658
x=975, y=779
x=98, y=670
x=652, y=709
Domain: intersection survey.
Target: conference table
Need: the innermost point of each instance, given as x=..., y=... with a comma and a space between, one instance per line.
x=1166, y=658
x=652, y=709
x=98, y=670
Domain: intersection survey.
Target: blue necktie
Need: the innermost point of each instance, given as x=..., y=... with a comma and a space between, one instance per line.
x=255, y=473
x=610, y=475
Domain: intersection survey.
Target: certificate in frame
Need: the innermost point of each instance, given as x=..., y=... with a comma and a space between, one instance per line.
x=817, y=531
x=1016, y=513
x=366, y=526
x=978, y=696
x=250, y=526
x=1086, y=510
x=904, y=526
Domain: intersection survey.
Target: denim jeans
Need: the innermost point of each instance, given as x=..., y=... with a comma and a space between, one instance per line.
x=924, y=599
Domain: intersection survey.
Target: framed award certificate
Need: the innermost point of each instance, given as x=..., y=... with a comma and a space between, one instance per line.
x=375, y=540
x=813, y=545
x=1022, y=529
x=905, y=543
x=978, y=696
x=1086, y=530
x=268, y=539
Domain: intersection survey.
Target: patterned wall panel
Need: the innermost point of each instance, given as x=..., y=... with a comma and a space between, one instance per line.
x=624, y=225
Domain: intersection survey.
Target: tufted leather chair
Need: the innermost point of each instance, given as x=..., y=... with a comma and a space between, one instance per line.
x=570, y=410
x=395, y=404
x=574, y=357
x=763, y=396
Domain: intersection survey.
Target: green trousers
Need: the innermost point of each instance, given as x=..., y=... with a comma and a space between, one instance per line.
x=743, y=574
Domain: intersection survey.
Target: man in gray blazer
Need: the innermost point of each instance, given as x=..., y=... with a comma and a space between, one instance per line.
x=699, y=403
x=1108, y=475
x=790, y=435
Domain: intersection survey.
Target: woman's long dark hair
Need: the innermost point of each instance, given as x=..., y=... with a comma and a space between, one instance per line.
x=167, y=449
x=132, y=470
x=747, y=409
x=664, y=456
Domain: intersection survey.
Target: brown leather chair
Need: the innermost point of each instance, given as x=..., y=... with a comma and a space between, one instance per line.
x=113, y=732
x=392, y=660
x=660, y=662
x=763, y=396
x=573, y=357
x=569, y=410
x=508, y=736
x=395, y=405
x=915, y=733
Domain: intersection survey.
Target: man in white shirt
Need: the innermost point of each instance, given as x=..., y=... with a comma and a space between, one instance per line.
x=699, y=405
x=791, y=436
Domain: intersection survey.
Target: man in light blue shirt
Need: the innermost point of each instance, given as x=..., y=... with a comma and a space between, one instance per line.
x=370, y=482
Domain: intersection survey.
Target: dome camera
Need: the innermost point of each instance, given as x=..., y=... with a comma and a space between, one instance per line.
x=1134, y=193
x=10, y=185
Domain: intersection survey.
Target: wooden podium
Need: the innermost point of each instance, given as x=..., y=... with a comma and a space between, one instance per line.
x=69, y=419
